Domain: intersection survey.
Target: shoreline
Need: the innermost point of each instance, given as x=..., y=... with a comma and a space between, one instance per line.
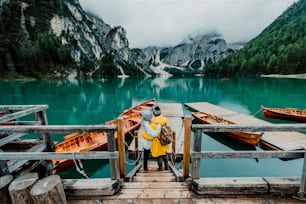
x=294, y=76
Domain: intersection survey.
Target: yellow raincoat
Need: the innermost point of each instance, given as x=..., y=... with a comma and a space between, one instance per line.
x=157, y=148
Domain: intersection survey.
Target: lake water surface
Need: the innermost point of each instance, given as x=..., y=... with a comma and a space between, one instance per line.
x=97, y=101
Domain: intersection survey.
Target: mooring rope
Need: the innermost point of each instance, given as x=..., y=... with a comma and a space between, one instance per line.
x=256, y=112
x=79, y=166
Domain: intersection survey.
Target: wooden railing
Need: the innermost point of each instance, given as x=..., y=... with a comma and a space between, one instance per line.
x=116, y=168
x=197, y=154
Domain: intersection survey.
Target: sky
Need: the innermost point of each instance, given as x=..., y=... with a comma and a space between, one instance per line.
x=169, y=22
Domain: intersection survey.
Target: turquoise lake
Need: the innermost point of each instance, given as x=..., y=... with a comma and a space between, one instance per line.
x=98, y=101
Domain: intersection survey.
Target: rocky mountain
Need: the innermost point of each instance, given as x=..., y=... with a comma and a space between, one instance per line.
x=192, y=55
x=57, y=38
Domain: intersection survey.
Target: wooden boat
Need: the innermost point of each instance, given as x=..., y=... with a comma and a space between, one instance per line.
x=285, y=113
x=97, y=141
x=246, y=137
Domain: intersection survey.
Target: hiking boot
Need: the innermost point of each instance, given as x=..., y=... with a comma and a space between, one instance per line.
x=165, y=158
x=166, y=167
x=160, y=163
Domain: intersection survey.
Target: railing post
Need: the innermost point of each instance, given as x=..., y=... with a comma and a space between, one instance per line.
x=121, y=147
x=195, y=173
x=113, y=163
x=173, y=146
x=302, y=193
x=186, y=157
x=41, y=116
x=136, y=134
x=4, y=170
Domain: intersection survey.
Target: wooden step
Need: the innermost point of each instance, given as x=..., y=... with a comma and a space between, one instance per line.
x=150, y=194
x=154, y=185
x=160, y=179
x=143, y=201
x=162, y=174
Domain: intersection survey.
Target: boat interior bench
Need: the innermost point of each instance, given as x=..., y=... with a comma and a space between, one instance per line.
x=90, y=188
x=229, y=186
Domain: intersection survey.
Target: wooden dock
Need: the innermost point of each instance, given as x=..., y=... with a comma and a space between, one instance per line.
x=272, y=140
x=145, y=187
x=175, y=114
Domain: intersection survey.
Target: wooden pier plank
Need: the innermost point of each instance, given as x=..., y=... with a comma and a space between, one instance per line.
x=221, y=186
x=281, y=140
x=86, y=188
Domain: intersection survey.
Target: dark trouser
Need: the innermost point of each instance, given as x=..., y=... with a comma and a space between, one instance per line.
x=146, y=155
x=162, y=159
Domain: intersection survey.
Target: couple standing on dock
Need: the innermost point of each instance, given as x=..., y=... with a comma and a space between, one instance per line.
x=150, y=134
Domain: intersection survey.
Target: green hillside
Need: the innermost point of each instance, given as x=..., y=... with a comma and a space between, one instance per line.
x=279, y=49
x=28, y=47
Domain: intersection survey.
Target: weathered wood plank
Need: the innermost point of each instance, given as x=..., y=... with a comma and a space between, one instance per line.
x=19, y=114
x=22, y=107
x=179, y=175
x=160, y=174
x=132, y=201
x=132, y=173
x=13, y=165
x=154, y=185
x=54, y=155
x=227, y=186
x=42, y=117
x=56, y=128
x=10, y=138
x=249, y=154
x=196, y=164
x=154, y=179
x=113, y=163
x=148, y=193
x=20, y=145
x=86, y=188
x=249, y=127
x=283, y=186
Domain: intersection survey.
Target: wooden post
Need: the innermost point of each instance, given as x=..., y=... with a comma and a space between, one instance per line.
x=4, y=184
x=195, y=173
x=113, y=163
x=121, y=147
x=3, y=167
x=186, y=157
x=173, y=146
x=48, y=190
x=41, y=116
x=302, y=190
x=20, y=188
x=137, y=146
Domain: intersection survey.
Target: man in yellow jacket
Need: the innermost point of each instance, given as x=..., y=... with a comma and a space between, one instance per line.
x=159, y=151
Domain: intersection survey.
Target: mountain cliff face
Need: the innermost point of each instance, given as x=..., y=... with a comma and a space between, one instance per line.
x=57, y=38
x=194, y=54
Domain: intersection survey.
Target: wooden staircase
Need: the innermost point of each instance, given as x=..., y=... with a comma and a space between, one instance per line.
x=152, y=186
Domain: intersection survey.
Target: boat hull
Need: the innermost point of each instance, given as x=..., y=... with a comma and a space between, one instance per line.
x=97, y=141
x=246, y=137
x=284, y=114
